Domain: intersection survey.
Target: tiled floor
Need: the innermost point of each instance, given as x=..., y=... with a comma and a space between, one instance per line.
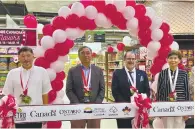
x=105, y=123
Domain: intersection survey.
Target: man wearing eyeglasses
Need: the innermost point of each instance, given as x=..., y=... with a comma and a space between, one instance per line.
x=85, y=84
x=124, y=80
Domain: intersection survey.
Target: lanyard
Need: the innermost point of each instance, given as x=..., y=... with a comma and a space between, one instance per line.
x=87, y=80
x=173, y=84
x=25, y=91
x=133, y=82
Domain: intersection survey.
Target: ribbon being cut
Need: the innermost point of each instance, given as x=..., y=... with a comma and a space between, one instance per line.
x=8, y=110
x=142, y=103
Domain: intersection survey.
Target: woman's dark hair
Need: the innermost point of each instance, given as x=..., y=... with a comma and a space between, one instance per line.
x=25, y=49
x=174, y=52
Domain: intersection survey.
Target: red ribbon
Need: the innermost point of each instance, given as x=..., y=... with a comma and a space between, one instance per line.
x=143, y=105
x=85, y=81
x=8, y=107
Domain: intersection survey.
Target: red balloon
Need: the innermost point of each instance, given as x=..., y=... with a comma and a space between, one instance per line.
x=130, y=3
x=54, y=124
x=52, y=95
x=99, y=5
x=119, y=21
x=69, y=6
x=48, y=30
x=83, y=23
x=145, y=42
x=120, y=46
x=69, y=43
x=110, y=11
x=92, y=25
x=145, y=22
x=59, y=22
x=30, y=21
x=163, y=52
x=72, y=21
x=42, y=62
x=94, y=54
x=165, y=27
x=57, y=85
x=167, y=40
x=144, y=34
x=60, y=75
x=110, y=49
x=140, y=10
x=51, y=55
x=155, y=69
x=86, y=2
x=62, y=49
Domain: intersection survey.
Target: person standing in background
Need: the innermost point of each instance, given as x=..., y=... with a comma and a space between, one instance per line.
x=85, y=84
x=173, y=86
x=124, y=78
x=29, y=84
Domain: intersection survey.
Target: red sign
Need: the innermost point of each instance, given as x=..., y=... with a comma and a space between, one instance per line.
x=18, y=37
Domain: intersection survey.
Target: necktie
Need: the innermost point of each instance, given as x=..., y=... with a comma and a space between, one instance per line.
x=130, y=73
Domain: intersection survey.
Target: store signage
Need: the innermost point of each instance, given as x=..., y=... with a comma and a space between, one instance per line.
x=98, y=111
x=99, y=36
x=18, y=37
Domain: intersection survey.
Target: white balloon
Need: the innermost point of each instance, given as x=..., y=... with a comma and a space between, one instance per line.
x=154, y=46
x=40, y=28
x=100, y=20
x=165, y=66
x=132, y=24
x=91, y=12
x=59, y=36
x=128, y=12
x=73, y=33
x=109, y=1
x=174, y=46
x=120, y=4
x=108, y=24
x=51, y=73
x=58, y=66
x=150, y=12
x=60, y=94
x=58, y=101
x=156, y=77
x=82, y=33
x=154, y=86
x=63, y=58
x=39, y=51
x=47, y=42
x=156, y=34
x=64, y=11
x=78, y=9
x=156, y=23
x=151, y=55
x=127, y=40
x=133, y=32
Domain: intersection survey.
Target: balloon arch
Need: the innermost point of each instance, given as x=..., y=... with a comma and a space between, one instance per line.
x=74, y=20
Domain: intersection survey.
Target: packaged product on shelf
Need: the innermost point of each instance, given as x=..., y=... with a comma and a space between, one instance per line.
x=3, y=63
x=190, y=62
x=2, y=80
x=12, y=64
x=184, y=61
x=190, y=53
x=184, y=53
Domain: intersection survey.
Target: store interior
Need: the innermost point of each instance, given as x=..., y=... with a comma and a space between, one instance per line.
x=178, y=14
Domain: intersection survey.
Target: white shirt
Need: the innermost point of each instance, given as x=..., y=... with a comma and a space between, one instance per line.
x=39, y=84
x=132, y=72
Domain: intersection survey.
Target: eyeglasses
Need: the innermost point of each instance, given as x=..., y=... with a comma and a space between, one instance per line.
x=133, y=59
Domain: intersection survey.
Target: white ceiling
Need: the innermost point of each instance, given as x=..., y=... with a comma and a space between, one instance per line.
x=49, y=6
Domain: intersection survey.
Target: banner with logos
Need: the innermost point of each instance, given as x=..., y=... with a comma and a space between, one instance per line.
x=98, y=111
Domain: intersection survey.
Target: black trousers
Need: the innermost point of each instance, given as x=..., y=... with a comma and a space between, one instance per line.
x=29, y=125
x=124, y=123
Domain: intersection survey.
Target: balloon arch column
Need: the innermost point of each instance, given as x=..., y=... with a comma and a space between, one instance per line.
x=73, y=21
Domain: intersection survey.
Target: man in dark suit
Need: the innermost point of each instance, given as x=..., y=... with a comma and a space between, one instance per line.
x=85, y=84
x=123, y=79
